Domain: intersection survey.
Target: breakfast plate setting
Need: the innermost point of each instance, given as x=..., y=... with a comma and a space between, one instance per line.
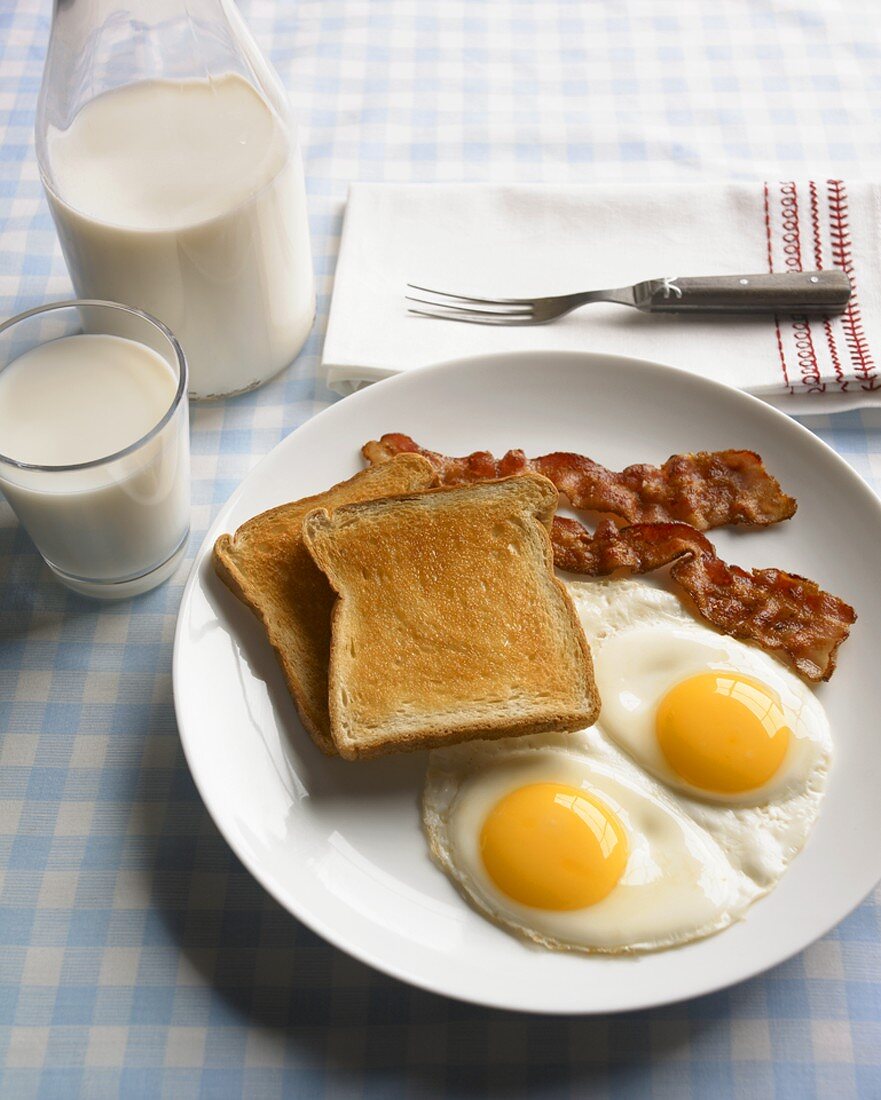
x=347, y=843
x=439, y=527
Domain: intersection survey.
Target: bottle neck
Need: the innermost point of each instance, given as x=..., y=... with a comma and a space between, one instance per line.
x=96, y=46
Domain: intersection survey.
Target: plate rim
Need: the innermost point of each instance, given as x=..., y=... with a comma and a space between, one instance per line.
x=302, y=911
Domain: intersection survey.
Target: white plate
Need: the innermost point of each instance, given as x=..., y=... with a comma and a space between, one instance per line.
x=339, y=844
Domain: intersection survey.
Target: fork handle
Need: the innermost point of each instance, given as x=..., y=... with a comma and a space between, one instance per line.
x=792, y=292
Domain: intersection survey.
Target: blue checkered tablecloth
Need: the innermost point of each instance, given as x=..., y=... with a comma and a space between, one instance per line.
x=137, y=957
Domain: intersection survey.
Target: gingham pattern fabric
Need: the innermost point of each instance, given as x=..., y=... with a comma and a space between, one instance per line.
x=137, y=958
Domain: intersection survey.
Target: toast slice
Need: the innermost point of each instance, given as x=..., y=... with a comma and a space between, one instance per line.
x=268, y=567
x=451, y=624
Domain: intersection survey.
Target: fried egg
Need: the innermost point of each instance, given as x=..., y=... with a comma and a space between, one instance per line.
x=561, y=840
x=739, y=741
x=663, y=822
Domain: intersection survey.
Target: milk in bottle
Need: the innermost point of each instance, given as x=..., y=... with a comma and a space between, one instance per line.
x=183, y=195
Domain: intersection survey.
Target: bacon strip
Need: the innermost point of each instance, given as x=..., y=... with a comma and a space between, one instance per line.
x=779, y=611
x=707, y=489
x=667, y=507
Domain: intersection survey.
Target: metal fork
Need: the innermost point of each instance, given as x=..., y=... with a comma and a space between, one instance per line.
x=796, y=292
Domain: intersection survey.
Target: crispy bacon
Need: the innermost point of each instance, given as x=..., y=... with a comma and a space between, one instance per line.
x=779, y=611
x=480, y=466
x=666, y=508
x=707, y=489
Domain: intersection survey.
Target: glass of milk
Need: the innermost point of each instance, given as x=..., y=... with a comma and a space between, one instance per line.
x=94, y=443
x=172, y=170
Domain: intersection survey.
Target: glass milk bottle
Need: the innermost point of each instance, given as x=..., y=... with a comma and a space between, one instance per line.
x=175, y=180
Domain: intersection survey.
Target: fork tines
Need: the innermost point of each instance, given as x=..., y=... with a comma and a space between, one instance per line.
x=459, y=307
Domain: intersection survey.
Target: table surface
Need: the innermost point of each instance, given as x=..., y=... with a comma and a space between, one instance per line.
x=137, y=957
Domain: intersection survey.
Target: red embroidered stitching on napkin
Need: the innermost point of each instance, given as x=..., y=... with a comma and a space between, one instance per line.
x=809, y=225
x=852, y=320
x=818, y=264
x=801, y=327
x=768, y=236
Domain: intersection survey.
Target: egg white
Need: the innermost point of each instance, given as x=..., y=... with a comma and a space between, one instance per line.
x=644, y=642
x=678, y=884
x=697, y=860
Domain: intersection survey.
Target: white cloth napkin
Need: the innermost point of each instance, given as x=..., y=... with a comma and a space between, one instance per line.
x=517, y=241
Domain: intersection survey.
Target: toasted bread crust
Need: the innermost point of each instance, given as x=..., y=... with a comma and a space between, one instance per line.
x=451, y=624
x=251, y=594
x=266, y=565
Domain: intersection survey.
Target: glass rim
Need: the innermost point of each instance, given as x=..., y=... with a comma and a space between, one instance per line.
x=179, y=394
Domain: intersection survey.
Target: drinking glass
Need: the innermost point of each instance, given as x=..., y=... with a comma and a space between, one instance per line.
x=118, y=525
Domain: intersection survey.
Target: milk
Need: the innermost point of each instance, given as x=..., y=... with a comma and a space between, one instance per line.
x=78, y=399
x=186, y=199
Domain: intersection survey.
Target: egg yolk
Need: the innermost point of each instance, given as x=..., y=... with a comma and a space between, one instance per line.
x=722, y=731
x=552, y=846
